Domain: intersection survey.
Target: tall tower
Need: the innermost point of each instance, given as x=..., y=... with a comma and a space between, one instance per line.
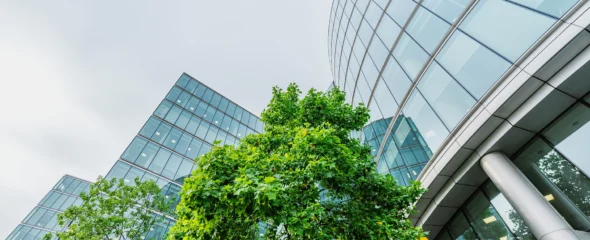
x=184, y=126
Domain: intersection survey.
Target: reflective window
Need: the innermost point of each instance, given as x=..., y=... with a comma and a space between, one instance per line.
x=427, y=29
x=388, y=31
x=159, y=161
x=385, y=100
x=183, y=80
x=459, y=228
x=427, y=122
x=556, y=8
x=134, y=149
x=450, y=101
x=365, y=33
x=505, y=27
x=191, y=86
x=172, y=166
x=378, y=53
x=118, y=171
x=507, y=212
x=485, y=220
x=410, y=56
x=400, y=10
x=216, y=99
x=395, y=77
x=473, y=65
x=373, y=14
x=447, y=9
x=173, y=94
x=163, y=109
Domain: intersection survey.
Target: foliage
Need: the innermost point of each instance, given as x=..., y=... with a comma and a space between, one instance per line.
x=112, y=209
x=304, y=178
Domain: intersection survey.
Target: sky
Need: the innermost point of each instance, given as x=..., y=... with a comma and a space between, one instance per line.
x=79, y=78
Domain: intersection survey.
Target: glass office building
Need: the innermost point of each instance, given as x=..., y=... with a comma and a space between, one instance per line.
x=184, y=126
x=495, y=92
x=43, y=218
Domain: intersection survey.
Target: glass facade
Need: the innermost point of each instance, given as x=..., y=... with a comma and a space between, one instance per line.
x=425, y=64
x=184, y=126
x=43, y=218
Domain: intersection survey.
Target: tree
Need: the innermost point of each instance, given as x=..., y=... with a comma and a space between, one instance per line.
x=112, y=209
x=303, y=178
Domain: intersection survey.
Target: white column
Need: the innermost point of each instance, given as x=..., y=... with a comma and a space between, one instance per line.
x=538, y=214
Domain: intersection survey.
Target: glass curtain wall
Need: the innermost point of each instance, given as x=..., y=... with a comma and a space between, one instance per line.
x=429, y=61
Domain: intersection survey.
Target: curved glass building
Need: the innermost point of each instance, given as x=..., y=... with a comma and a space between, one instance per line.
x=484, y=102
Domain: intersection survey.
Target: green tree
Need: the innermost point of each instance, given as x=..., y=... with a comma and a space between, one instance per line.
x=113, y=210
x=303, y=178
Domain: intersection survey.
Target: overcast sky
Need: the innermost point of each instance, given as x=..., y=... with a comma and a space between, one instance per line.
x=79, y=78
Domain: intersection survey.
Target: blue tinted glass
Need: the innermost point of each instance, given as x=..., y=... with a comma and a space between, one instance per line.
x=233, y=128
x=192, y=104
x=202, y=131
x=216, y=99
x=382, y=167
x=172, y=166
x=191, y=86
x=183, y=99
x=183, y=143
x=426, y=121
x=208, y=96
x=209, y=113
x=385, y=100
x=410, y=56
x=184, y=170
x=355, y=21
x=147, y=155
x=245, y=117
x=445, y=95
x=373, y=14
x=200, y=91
x=388, y=31
x=159, y=161
x=201, y=109
x=218, y=118
x=132, y=175
x=365, y=33
x=163, y=109
x=473, y=65
x=173, y=114
x=556, y=8
x=183, y=80
x=238, y=113
x=172, y=138
x=193, y=148
x=378, y=52
x=427, y=29
x=161, y=133
x=447, y=9
x=211, y=135
x=381, y=3
x=370, y=72
x=193, y=124
x=118, y=171
x=231, y=108
x=223, y=104
x=400, y=10
x=363, y=89
x=242, y=131
x=505, y=27
x=395, y=77
x=150, y=127
x=252, y=121
x=173, y=94
x=134, y=149
x=183, y=119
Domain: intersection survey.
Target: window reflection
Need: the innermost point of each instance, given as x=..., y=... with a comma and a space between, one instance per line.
x=447, y=9
x=505, y=27
x=427, y=29
x=426, y=121
x=410, y=56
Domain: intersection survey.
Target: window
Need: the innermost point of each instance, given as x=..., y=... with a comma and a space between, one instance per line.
x=209, y=114
x=193, y=148
x=208, y=96
x=147, y=155
x=555, y=8
x=378, y=52
x=173, y=94
x=134, y=149
x=173, y=114
x=216, y=99
x=172, y=166
x=163, y=109
x=447, y=9
x=388, y=31
x=160, y=161
x=212, y=134
x=394, y=76
x=183, y=99
x=183, y=119
x=191, y=86
x=427, y=122
x=410, y=56
x=150, y=127
x=183, y=80
x=400, y=10
x=118, y=171
x=200, y=91
x=450, y=101
x=505, y=27
x=473, y=65
x=193, y=124
x=192, y=104
x=182, y=145
x=161, y=133
x=172, y=138
x=427, y=29
x=202, y=131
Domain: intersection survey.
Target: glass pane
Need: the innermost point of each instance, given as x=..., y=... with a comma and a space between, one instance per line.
x=163, y=109
x=173, y=114
x=400, y=10
x=173, y=138
x=473, y=65
x=427, y=29
x=173, y=94
x=505, y=27
x=184, y=170
x=193, y=125
x=193, y=149
x=427, y=123
x=182, y=145
x=460, y=229
x=159, y=161
x=150, y=127
x=172, y=166
x=450, y=101
x=556, y=8
x=118, y=171
x=395, y=77
x=511, y=218
x=410, y=56
x=486, y=222
x=447, y=9
x=183, y=119
x=183, y=99
x=388, y=31
x=134, y=149
x=161, y=133
x=200, y=91
x=191, y=86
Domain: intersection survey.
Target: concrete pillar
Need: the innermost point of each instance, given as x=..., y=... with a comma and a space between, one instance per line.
x=541, y=218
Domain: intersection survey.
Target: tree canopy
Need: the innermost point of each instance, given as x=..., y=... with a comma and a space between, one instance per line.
x=112, y=209
x=303, y=178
